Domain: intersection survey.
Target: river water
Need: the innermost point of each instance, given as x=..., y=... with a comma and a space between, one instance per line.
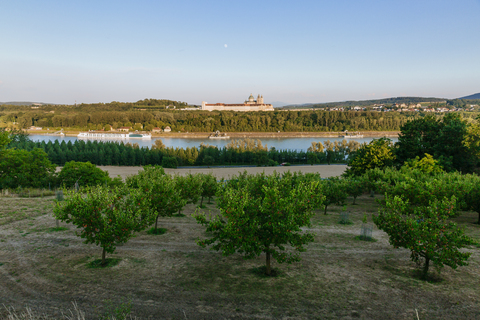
x=278, y=143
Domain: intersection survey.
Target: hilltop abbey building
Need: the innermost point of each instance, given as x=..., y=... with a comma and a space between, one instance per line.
x=249, y=105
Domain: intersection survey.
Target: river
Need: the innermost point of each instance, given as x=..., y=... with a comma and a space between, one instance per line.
x=278, y=143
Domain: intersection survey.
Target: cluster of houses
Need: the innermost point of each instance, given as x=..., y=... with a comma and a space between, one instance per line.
x=156, y=129
x=399, y=108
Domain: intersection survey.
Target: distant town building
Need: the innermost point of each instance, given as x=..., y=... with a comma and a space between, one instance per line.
x=249, y=105
x=167, y=129
x=157, y=129
x=126, y=129
x=35, y=128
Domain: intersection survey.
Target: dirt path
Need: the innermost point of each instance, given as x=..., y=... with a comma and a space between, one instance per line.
x=324, y=170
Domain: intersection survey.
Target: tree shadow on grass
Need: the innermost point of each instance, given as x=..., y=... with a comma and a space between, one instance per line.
x=109, y=262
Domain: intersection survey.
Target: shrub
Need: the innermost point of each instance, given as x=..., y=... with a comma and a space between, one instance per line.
x=85, y=173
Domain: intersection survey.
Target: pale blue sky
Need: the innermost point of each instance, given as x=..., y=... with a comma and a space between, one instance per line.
x=221, y=51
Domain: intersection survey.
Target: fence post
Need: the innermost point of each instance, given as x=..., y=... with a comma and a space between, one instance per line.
x=59, y=196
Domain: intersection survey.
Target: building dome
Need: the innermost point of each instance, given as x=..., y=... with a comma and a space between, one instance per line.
x=251, y=98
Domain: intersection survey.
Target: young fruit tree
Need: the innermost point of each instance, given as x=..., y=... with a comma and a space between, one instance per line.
x=209, y=187
x=425, y=230
x=355, y=186
x=334, y=191
x=190, y=187
x=165, y=198
x=265, y=222
x=105, y=217
x=148, y=173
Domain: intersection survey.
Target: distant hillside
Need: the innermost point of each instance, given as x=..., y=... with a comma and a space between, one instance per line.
x=472, y=97
x=279, y=104
x=21, y=103
x=388, y=101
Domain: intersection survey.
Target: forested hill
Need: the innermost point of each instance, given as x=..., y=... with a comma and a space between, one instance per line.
x=472, y=97
x=22, y=103
x=146, y=104
x=387, y=101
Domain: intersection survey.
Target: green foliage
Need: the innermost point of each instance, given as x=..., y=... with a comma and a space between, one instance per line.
x=377, y=154
x=334, y=191
x=471, y=193
x=260, y=214
x=427, y=164
x=355, y=186
x=116, y=182
x=425, y=230
x=190, y=187
x=442, y=138
x=85, y=173
x=144, y=176
x=472, y=138
x=22, y=168
x=4, y=139
x=170, y=162
x=209, y=186
x=161, y=189
x=105, y=217
x=112, y=153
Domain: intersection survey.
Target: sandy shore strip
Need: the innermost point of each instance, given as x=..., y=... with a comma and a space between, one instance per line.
x=324, y=170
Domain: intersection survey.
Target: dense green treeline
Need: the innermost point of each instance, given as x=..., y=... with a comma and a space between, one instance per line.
x=116, y=114
x=244, y=153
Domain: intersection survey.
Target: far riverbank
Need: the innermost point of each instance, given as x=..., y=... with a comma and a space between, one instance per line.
x=239, y=135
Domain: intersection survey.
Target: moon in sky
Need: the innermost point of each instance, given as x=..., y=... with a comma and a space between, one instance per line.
x=225, y=45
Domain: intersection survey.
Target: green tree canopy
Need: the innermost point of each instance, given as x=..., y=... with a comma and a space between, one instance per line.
x=85, y=173
x=105, y=217
x=425, y=230
x=22, y=168
x=261, y=215
x=443, y=139
x=378, y=153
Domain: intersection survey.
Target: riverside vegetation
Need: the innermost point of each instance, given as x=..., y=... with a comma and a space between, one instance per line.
x=419, y=206
x=150, y=113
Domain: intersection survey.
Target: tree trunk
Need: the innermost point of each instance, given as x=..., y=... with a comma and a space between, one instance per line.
x=325, y=213
x=57, y=223
x=425, y=268
x=354, y=198
x=478, y=218
x=103, y=257
x=268, y=270
x=201, y=202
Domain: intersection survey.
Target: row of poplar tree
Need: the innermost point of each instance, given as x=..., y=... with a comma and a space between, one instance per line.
x=241, y=152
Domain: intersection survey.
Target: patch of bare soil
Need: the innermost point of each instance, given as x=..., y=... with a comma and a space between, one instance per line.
x=170, y=277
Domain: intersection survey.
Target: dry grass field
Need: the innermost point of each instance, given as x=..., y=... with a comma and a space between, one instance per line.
x=170, y=277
